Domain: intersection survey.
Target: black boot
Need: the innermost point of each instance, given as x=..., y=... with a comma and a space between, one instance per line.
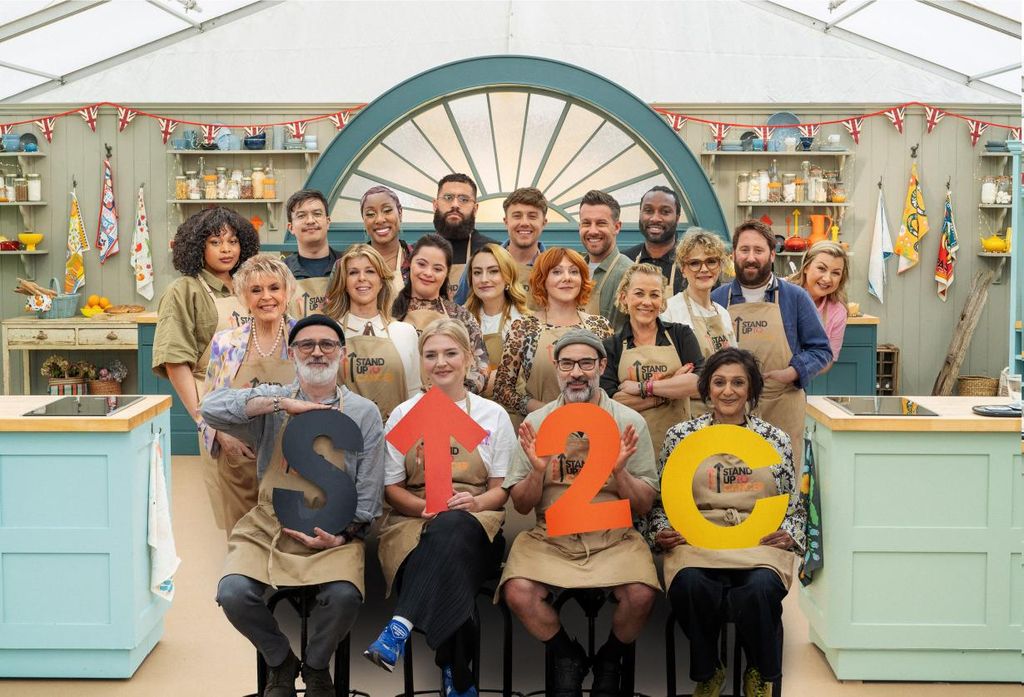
x=318, y=682
x=567, y=671
x=281, y=679
x=607, y=674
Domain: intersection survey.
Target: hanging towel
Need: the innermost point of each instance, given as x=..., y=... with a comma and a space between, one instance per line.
x=948, y=246
x=142, y=252
x=881, y=249
x=913, y=224
x=78, y=242
x=814, y=555
x=106, y=231
x=163, y=557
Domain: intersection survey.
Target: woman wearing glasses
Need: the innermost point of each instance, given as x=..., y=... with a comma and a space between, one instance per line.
x=561, y=285
x=382, y=219
x=652, y=365
x=382, y=358
x=701, y=255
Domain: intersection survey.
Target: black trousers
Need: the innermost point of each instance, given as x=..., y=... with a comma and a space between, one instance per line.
x=438, y=582
x=703, y=599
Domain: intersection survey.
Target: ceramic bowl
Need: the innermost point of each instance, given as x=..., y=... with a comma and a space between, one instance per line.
x=757, y=144
x=30, y=240
x=257, y=142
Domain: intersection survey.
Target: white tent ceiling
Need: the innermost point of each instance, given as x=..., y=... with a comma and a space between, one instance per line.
x=699, y=51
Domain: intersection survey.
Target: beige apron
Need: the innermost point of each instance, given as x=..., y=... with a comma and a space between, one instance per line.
x=373, y=369
x=397, y=282
x=672, y=275
x=599, y=559
x=237, y=480
x=594, y=302
x=456, y=271
x=258, y=549
x=543, y=382
x=495, y=344
x=711, y=336
x=400, y=534
x=523, y=273
x=310, y=296
x=725, y=490
x=230, y=314
x=643, y=362
x=759, y=329
x=422, y=317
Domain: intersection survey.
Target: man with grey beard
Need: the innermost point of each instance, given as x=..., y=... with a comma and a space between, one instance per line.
x=615, y=560
x=261, y=552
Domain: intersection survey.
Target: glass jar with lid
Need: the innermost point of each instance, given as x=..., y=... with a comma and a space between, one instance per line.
x=762, y=183
x=775, y=191
x=20, y=189
x=269, y=188
x=246, y=188
x=222, y=182
x=35, y=187
x=837, y=191
x=257, y=182
x=988, y=190
x=742, y=186
x=1003, y=195
x=210, y=187
x=180, y=187
x=815, y=185
x=195, y=191
x=788, y=187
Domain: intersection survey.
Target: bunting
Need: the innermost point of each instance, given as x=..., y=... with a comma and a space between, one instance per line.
x=1014, y=133
x=340, y=119
x=45, y=125
x=719, y=131
x=89, y=114
x=251, y=131
x=210, y=132
x=932, y=117
x=167, y=127
x=124, y=117
x=976, y=129
x=896, y=116
x=854, y=127
x=765, y=134
x=297, y=129
x=913, y=225
x=810, y=130
x=676, y=121
x=948, y=246
x=5, y=128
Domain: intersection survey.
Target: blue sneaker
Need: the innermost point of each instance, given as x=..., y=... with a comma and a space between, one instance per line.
x=449, y=685
x=389, y=646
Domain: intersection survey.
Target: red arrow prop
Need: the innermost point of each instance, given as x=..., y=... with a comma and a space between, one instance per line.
x=436, y=420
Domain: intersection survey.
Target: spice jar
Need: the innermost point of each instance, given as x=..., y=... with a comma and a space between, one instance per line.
x=234, y=191
x=1003, y=195
x=194, y=191
x=742, y=186
x=210, y=187
x=257, y=182
x=222, y=182
x=789, y=187
x=35, y=187
x=837, y=193
x=801, y=188
x=775, y=192
x=180, y=187
x=20, y=189
x=762, y=182
x=269, y=187
x=246, y=189
x=815, y=185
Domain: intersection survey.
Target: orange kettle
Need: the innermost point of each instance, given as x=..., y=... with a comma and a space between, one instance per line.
x=819, y=228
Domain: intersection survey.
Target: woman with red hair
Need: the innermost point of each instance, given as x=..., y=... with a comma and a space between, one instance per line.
x=560, y=284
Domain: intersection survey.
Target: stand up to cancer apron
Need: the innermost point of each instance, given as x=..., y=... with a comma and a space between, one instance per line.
x=599, y=559
x=655, y=362
x=258, y=549
x=759, y=329
x=373, y=369
x=712, y=335
x=400, y=534
x=230, y=314
x=310, y=297
x=725, y=490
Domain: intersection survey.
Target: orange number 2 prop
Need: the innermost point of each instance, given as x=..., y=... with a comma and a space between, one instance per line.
x=677, y=488
x=574, y=511
x=436, y=420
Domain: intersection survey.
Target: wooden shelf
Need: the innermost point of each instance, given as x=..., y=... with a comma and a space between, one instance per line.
x=22, y=154
x=755, y=204
x=800, y=254
x=243, y=152
x=786, y=153
x=225, y=201
x=989, y=153
x=24, y=251
x=994, y=255
x=23, y=203
x=995, y=205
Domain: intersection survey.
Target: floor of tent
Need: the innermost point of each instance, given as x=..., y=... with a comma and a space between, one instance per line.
x=201, y=654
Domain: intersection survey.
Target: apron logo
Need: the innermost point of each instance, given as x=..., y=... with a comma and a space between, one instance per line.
x=727, y=480
x=647, y=372
x=365, y=366
x=750, y=326
x=567, y=465
x=719, y=342
x=239, y=320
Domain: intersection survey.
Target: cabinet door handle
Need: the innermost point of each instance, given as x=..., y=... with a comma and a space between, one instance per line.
x=112, y=336
x=42, y=336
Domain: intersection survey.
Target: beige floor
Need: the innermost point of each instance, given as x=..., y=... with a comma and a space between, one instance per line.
x=200, y=654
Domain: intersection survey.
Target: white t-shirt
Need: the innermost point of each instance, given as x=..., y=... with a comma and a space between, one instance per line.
x=496, y=449
x=403, y=336
x=676, y=311
x=489, y=324
x=756, y=295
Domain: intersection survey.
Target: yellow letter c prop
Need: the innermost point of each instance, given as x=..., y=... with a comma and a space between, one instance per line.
x=677, y=488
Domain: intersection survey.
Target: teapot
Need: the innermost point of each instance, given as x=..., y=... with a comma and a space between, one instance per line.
x=996, y=244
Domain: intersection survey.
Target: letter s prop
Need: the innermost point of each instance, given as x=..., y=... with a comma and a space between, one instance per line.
x=677, y=488
x=339, y=490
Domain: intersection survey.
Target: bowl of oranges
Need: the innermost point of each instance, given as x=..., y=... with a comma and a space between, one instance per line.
x=95, y=305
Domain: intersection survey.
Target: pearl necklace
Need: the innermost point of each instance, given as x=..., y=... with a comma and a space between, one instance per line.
x=256, y=340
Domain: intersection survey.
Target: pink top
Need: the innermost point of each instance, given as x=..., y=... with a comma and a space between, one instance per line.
x=833, y=317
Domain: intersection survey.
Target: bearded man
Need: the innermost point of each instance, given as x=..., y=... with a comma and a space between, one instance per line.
x=455, y=220
x=659, y=224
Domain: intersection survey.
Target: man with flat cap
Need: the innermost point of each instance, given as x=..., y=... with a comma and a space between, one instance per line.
x=261, y=552
x=615, y=560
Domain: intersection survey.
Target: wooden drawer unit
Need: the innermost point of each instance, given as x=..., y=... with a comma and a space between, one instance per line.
x=119, y=337
x=48, y=336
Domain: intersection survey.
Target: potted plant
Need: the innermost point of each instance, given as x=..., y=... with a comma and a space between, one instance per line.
x=66, y=377
x=108, y=380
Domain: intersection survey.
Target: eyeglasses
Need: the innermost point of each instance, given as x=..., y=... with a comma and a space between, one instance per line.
x=711, y=263
x=566, y=364
x=315, y=215
x=461, y=198
x=306, y=346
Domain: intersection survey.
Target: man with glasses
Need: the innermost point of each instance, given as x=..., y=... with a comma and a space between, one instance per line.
x=614, y=560
x=260, y=552
x=455, y=220
x=659, y=221
x=312, y=264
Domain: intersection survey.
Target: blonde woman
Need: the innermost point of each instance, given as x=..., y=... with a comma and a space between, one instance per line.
x=382, y=357
x=823, y=274
x=701, y=255
x=496, y=299
x=437, y=562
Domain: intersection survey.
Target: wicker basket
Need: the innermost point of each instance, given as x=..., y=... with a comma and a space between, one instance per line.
x=64, y=306
x=67, y=386
x=976, y=386
x=104, y=387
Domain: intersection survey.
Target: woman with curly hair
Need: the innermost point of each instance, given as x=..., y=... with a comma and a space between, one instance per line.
x=208, y=248
x=561, y=285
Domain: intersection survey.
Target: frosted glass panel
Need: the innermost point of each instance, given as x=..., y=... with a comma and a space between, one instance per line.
x=541, y=120
x=609, y=142
x=408, y=142
x=576, y=130
x=391, y=169
x=508, y=113
x=473, y=115
x=622, y=168
x=437, y=128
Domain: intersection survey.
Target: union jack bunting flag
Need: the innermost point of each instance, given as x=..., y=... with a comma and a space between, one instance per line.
x=340, y=119
x=46, y=126
x=932, y=117
x=977, y=128
x=1014, y=133
x=719, y=131
x=5, y=128
x=297, y=129
x=125, y=117
x=167, y=127
x=854, y=127
x=89, y=114
x=251, y=131
x=676, y=121
x=810, y=130
x=896, y=116
x=764, y=133
x=210, y=132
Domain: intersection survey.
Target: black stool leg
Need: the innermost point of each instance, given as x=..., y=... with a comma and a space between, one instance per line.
x=407, y=669
x=670, y=656
x=341, y=667
x=506, y=661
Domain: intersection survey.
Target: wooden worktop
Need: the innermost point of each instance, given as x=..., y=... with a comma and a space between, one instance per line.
x=12, y=408
x=862, y=319
x=146, y=318
x=954, y=414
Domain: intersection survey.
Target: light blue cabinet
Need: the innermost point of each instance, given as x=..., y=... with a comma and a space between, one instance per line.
x=854, y=372
x=184, y=440
x=74, y=558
